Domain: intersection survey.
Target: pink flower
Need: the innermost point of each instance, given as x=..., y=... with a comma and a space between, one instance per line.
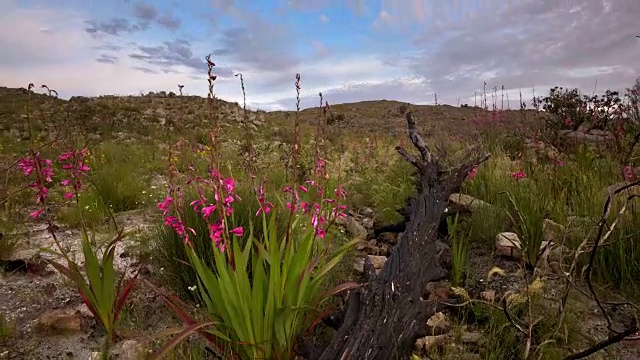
x=68, y=196
x=229, y=185
x=629, y=173
x=265, y=207
x=196, y=204
x=304, y=189
x=169, y=220
x=36, y=214
x=559, y=162
x=208, y=210
x=321, y=233
x=215, y=232
x=27, y=166
x=518, y=175
x=65, y=182
x=340, y=192
x=473, y=173
x=66, y=156
x=568, y=122
x=165, y=206
x=237, y=231
x=43, y=194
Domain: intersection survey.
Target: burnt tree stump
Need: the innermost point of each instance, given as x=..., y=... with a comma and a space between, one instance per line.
x=385, y=316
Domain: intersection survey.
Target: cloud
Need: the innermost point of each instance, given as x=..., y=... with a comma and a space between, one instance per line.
x=145, y=11
x=115, y=27
x=259, y=44
x=169, y=22
x=107, y=59
x=537, y=43
x=404, y=51
x=173, y=53
x=324, y=18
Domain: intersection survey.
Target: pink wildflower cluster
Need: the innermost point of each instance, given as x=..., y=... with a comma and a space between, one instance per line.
x=568, y=122
x=629, y=173
x=173, y=221
x=518, y=175
x=224, y=196
x=321, y=216
x=473, y=173
x=73, y=162
x=43, y=169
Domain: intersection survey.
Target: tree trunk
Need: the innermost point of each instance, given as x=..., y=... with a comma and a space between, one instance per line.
x=384, y=317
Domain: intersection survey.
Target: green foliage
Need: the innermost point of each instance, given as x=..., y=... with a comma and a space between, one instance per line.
x=258, y=300
x=459, y=249
x=99, y=288
x=171, y=256
x=7, y=328
x=118, y=178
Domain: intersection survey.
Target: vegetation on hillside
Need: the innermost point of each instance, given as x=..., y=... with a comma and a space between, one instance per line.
x=254, y=219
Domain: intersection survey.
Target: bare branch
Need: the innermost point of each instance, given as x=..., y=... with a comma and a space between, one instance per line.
x=596, y=243
x=416, y=139
x=605, y=343
x=405, y=154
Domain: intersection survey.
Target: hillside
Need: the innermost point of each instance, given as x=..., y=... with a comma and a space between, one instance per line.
x=513, y=239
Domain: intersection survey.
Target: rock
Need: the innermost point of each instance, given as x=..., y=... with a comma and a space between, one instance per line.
x=552, y=231
x=388, y=238
x=368, y=212
x=438, y=290
x=593, y=137
x=368, y=247
x=538, y=149
x=377, y=261
x=367, y=223
x=468, y=203
x=132, y=350
x=472, y=338
x=60, y=320
x=508, y=244
x=439, y=323
x=428, y=343
x=354, y=228
x=488, y=295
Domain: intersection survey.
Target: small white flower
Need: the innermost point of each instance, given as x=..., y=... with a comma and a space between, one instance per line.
x=192, y=288
x=144, y=191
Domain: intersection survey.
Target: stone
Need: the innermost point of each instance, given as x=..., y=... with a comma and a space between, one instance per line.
x=354, y=228
x=439, y=323
x=368, y=212
x=552, y=231
x=472, y=338
x=438, y=290
x=388, y=238
x=377, y=261
x=468, y=203
x=367, y=248
x=488, y=295
x=132, y=350
x=508, y=244
x=59, y=320
x=429, y=343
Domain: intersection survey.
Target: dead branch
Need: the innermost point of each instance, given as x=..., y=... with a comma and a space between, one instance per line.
x=385, y=316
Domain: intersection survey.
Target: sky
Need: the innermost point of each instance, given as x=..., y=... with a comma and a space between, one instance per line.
x=350, y=50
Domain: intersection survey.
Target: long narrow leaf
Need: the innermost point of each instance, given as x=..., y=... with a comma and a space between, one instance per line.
x=164, y=350
x=124, y=293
